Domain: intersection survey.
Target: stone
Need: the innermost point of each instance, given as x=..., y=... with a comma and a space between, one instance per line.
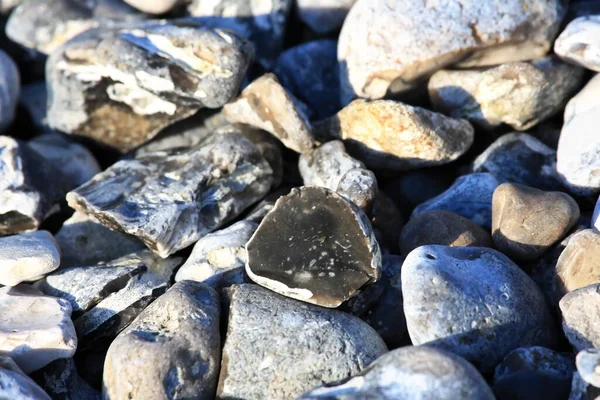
x=578, y=148
x=332, y=167
x=16, y=385
x=474, y=302
x=387, y=221
x=386, y=134
x=34, y=98
x=310, y=72
x=219, y=258
x=533, y=372
x=10, y=90
x=267, y=144
x=314, y=246
x=580, y=322
x=61, y=381
x=35, y=329
x=265, y=104
x=154, y=6
x=578, y=265
x=410, y=373
x=323, y=16
x=30, y=187
x=121, y=86
x=413, y=42
x=172, y=349
x=581, y=390
x=27, y=257
x=444, y=228
x=469, y=196
x=169, y=200
x=578, y=43
x=596, y=216
x=527, y=222
x=520, y=94
x=6, y=6
x=321, y=346
x=587, y=362
x=521, y=158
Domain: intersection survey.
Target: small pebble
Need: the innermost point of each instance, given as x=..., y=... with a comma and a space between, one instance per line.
x=580, y=310
x=579, y=263
x=578, y=43
x=15, y=385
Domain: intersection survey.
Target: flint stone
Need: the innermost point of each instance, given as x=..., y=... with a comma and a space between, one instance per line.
x=62, y=382
x=587, y=362
x=578, y=43
x=390, y=135
x=581, y=317
x=35, y=329
x=122, y=86
x=327, y=345
x=172, y=349
x=517, y=94
x=314, y=246
x=323, y=16
x=169, y=200
x=10, y=90
x=154, y=6
x=579, y=263
x=16, y=385
x=474, y=302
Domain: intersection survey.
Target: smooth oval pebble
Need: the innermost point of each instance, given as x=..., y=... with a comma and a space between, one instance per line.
x=579, y=44
x=579, y=263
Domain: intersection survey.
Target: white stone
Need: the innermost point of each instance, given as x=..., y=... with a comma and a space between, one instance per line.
x=579, y=43
x=27, y=257
x=153, y=6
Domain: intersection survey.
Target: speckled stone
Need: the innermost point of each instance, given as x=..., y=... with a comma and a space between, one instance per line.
x=588, y=362
x=578, y=43
x=16, y=385
x=581, y=317
x=579, y=263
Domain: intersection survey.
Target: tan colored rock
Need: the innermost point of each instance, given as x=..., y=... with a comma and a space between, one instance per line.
x=579, y=263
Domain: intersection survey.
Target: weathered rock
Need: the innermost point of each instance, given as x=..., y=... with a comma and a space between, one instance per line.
x=474, y=302
x=321, y=346
x=62, y=382
x=265, y=104
x=579, y=264
x=526, y=222
x=219, y=258
x=578, y=43
x=154, y=6
x=517, y=94
x=34, y=99
x=35, y=329
x=469, y=196
x=323, y=16
x=314, y=246
x=391, y=135
x=581, y=317
x=533, y=372
x=16, y=385
x=10, y=90
x=171, y=199
x=332, y=167
x=444, y=228
x=414, y=41
x=587, y=362
x=172, y=349
x=122, y=86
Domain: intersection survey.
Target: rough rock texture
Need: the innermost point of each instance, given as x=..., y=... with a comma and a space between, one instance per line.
x=518, y=94
x=442, y=227
x=526, y=222
x=171, y=199
x=469, y=196
x=385, y=46
x=579, y=44
x=62, y=382
x=579, y=263
x=323, y=16
x=581, y=317
x=474, y=302
x=314, y=246
x=219, y=258
x=295, y=346
x=587, y=362
x=10, y=89
x=171, y=350
x=27, y=257
x=35, y=329
x=16, y=385
x=392, y=135
x=154, y=6
x=332, y=167
x=122, y=86
x=265, y=104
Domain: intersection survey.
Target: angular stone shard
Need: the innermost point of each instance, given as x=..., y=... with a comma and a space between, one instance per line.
x=16, y=385
x=314, y=246
x=578, y=43
x=171, y=199
x=122, y=86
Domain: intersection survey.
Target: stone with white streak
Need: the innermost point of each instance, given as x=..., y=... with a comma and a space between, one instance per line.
x=579, y=43
x=27, y=257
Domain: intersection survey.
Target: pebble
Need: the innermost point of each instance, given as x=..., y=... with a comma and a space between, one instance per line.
x=578, y=43
x=323, y=16
x=265, y=104
x=10, y=90
x=169, y=200
x=517, y=94
x=474, y=302
x=322, y=346
x=410, y=373
x=332, y=167
x=171, y=350
x=314, y=246
x=469, y=196
x=527, y=222
x=444, y=228
x=15, y=385
x=412, y=42
x=154, y=6
x=27, y=257
x=579, y=263
x=61, y=381
x=120, y=87
x=533, y=373
x=35, y=329
x=581, y=319
x=386, y=134
x=219, y=258
x=588, y=363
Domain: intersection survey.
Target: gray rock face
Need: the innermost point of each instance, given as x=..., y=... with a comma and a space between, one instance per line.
x=414, y=41
x=16, y=385
x=518, y=94
x=62, y=382
x=122, y=86
x=440, y=375
x=581, y=319
x=587, y=362
x=323, y=16
x=172, y=349
x=295, y=346
x=10, y=89
x=314, y=246
x=474, y=302
x=171, y=199
x=578, y=43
